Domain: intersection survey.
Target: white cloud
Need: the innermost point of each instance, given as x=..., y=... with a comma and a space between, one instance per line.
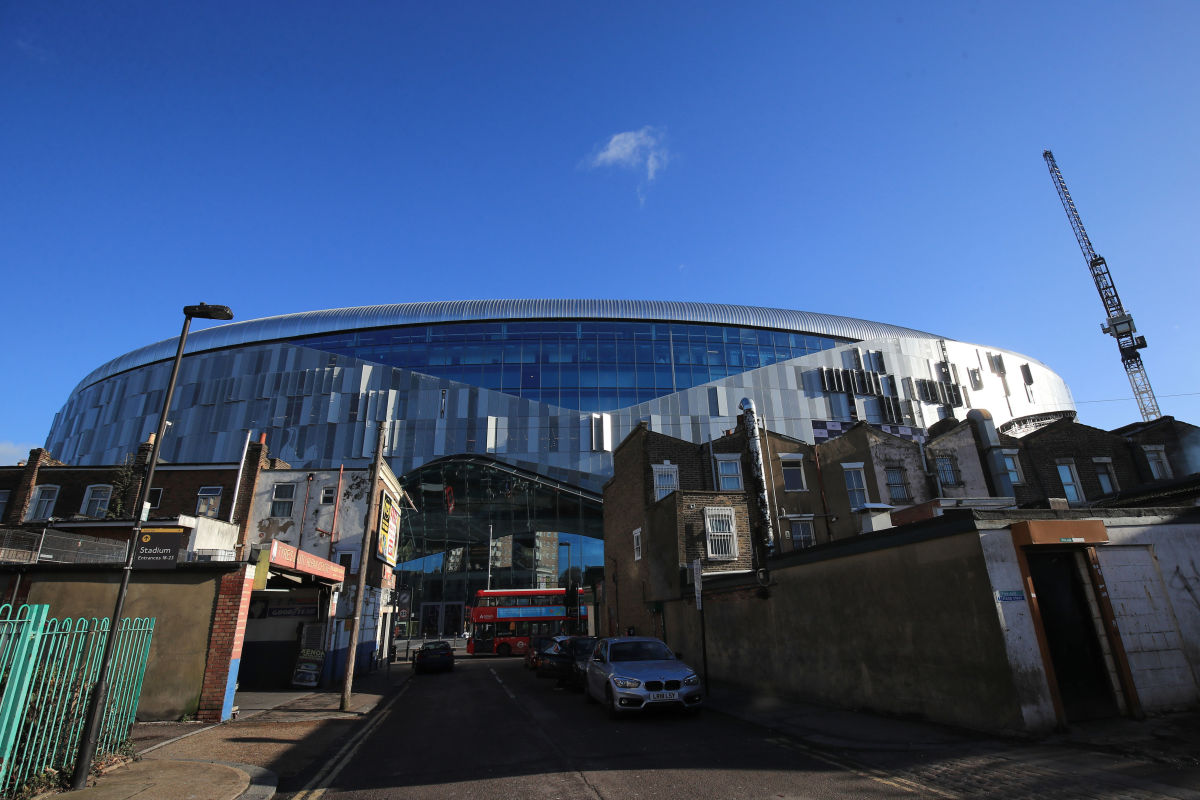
x=636, y=150
x=12, y=452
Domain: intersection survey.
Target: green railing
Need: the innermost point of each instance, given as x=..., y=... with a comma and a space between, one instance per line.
x=47, y=669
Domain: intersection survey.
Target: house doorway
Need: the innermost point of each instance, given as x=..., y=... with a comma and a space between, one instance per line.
x=1081, y=667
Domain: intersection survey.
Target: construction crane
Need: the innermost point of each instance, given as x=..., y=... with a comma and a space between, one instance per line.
x=1119, y=323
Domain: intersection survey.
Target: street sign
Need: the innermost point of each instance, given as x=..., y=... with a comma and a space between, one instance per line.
x=157, y=548
x=698, y=582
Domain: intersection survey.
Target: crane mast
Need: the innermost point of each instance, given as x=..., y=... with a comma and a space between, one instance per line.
x=1119, y=323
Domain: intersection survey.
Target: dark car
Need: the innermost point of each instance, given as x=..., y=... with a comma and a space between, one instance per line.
x=583, y=654
x=534, y=654
x=434, y=656
x=560, y=658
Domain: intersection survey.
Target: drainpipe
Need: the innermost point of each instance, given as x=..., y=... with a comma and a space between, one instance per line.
x=766, y=545
x=337, y=502
x=829, y=520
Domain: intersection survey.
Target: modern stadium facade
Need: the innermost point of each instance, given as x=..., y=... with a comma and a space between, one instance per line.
x=510, y=397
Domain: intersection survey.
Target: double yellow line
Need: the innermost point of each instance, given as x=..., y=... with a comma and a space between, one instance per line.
x=315, y=788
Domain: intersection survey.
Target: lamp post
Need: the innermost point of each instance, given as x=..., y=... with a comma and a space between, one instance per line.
x=91, y=728
x=571, y=595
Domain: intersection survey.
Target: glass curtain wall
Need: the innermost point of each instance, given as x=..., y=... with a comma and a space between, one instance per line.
x=585, y=365
x=477, y=520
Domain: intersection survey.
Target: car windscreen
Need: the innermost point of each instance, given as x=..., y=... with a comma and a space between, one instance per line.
x=437, y=646
x=639, y=651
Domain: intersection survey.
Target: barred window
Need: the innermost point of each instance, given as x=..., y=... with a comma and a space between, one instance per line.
x=720, y=533
x=947, y=470
x=897, y=486
x=666, y=479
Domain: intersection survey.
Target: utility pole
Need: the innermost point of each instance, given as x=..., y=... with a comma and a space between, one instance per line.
x=363, y=560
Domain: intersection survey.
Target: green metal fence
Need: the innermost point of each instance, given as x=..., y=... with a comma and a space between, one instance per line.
x=47, y=670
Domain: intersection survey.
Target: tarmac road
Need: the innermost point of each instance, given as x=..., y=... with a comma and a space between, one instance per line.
x=492, y=729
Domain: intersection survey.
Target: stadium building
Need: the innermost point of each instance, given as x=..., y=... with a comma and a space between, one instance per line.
x=501, y=415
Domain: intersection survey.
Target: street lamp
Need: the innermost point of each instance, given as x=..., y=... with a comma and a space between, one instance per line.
x=571, y=595
x=91, y=728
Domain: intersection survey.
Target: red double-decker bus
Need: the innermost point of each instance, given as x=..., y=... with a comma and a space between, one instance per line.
x=504, y=620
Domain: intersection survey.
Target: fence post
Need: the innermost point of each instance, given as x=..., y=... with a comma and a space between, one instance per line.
x=23, y=665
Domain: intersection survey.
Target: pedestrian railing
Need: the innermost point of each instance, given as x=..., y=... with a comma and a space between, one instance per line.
x=48, y=667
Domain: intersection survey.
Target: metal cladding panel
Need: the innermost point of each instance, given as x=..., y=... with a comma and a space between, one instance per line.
x=312, y=323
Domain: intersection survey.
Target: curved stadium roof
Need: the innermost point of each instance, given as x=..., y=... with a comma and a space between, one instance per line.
x=310, y=323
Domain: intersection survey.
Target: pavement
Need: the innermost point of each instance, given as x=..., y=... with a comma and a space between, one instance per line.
x=1154, y=758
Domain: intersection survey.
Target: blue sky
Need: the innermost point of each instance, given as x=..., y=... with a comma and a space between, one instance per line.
x=878, y=160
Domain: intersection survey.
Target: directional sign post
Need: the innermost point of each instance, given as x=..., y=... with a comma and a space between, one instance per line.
x=157, y=548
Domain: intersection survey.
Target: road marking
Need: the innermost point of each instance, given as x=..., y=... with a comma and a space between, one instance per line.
x=507, y=691
x=315, y=788
x=870, y=773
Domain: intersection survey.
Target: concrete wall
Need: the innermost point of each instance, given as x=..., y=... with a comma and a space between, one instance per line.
x=1152, y=569
x=182, y=604
x=911, y=629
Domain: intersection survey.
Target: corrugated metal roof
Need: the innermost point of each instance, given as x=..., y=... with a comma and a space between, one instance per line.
x=310, y=323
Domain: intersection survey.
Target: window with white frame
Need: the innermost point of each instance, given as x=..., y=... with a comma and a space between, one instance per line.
x=1012, y=465
x=4, y=495
x=208, y=501
x=328, y=495
x=666, y=479
x=43, y=503
x=897, y=485
x=637, y=544
x=720, y=533
x=1070, y=481
x=856, y=484
x=1156, y=454
x=801, y=532
x=729, y=472
x=793, y=472
x=1106, y=475
x=947, y=470
x=95, y=501
x=283, y=497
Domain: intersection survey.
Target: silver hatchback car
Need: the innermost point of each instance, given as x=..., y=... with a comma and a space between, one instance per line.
x=629, y=673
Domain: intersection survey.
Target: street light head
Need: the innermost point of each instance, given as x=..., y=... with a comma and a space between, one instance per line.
x=205, y=311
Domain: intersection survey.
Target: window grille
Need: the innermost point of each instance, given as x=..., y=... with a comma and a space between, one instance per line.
x=666, y=479
x=720, y=533
x=897, y=487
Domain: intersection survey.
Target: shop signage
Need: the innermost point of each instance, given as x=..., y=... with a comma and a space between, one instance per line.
x=157, y=548
x=309, y=665
x=388, y=540
x=288, y=557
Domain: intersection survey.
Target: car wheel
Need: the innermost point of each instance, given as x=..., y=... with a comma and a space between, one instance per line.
x=504, y=650
x=614, y=711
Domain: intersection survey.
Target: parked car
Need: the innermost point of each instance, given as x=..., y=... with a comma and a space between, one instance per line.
x=630, y=673
x=433, y=656
x=584, y=647
x=536, y=645
x=556, y=661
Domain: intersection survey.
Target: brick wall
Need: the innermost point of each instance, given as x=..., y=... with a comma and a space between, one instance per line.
x=1041, y=450
x=226, y=636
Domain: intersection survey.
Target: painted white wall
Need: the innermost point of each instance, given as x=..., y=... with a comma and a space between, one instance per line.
x=1020, y=638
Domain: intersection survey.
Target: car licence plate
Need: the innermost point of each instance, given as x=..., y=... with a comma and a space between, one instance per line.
x=663, y=696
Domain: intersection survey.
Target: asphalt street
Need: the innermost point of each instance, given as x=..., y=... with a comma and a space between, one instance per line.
x=492, y=729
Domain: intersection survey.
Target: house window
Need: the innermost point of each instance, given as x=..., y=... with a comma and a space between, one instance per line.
x=95, y=501
x=282, y=498
x=793, y=473
x=1106, y=475
x=346, y=560
x=208, y=501
x=1012, y=465
x=154, y=498
x=947, y=470
x=897, y=487
x=1070, y=481
x=856, y=485
x=328, y=495
x=43, y=503
x=720, y=533
x=802, y=533
x=637, y=544
x=729, y=472
x=4, y=495
x=666, y=479
x=1156, y=454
